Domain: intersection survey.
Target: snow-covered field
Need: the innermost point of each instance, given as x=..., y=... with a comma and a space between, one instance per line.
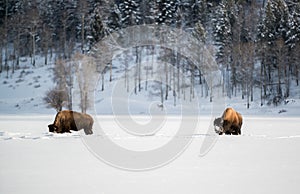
x=265, y=159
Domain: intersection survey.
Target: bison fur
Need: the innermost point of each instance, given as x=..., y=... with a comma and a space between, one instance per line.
x=230, y=123
x=67, y=120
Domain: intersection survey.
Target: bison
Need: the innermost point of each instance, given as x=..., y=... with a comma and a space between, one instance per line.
x=67, y=120
x=230, y=123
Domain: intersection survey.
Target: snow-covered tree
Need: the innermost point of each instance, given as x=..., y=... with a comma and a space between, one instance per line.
x=222, y=34
x=293, y=33
x=65, y=21
x=200, y=32
x=166, y=11
x=130, y=12
x=124, y=13
x=96, y=26
x=275, y=22
x=273, y=34
x=293, y=37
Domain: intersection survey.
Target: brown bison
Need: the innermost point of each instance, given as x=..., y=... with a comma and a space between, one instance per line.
x=230, y=123
x=67, y=120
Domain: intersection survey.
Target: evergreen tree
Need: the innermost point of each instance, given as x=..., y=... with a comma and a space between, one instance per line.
x=222, y=33
x=275, y=23
x=114, y=21
x=293, y=37
x=200, y=32
x=97, y=26
x=65, y=21
x=166, y=12
x=146, y=11
x=130, y=12
x=189, y=13
x=293, y=33
x=273, y=33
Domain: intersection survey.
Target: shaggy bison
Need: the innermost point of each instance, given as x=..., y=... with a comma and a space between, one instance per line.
x=67, y=120
x=230, y=123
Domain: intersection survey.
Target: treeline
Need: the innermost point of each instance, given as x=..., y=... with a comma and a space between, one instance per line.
x=258, y=47
x=256, y=42
x=44, y=27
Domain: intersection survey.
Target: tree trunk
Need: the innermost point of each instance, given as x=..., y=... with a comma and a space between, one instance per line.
x=33, y=50
x=46, y=43
x=6, y=38
x=70, y=103
x=102, y=76
x=33, y=44
x=17, y=49
x=192, y=93
x=161, y=92
x=110, y=71
x=64, y=36
x=297, y=75
x=1, y=57
x=167, y=87
x=248, y=97
x=287, y=82
x=174, y=84
x=82, y=32
x=178, y=74
x=139, y=68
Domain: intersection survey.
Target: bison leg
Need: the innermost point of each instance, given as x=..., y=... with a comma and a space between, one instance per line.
x=239, y=132
x=226, y=127
x=63, y=129
x=67, y=131
x=228, y=133
x=236, y=130
x=88, y=131
x=234, y=133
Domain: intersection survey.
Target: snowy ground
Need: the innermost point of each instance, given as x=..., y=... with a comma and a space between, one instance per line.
x=265, y=159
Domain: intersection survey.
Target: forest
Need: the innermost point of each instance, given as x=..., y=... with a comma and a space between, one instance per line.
x=255, y=43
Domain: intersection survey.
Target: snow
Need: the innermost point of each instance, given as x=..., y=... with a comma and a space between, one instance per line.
x=22, y=92
x=264, y=159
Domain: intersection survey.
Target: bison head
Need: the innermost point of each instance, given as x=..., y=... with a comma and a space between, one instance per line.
x=52, y=128
x=218, y=125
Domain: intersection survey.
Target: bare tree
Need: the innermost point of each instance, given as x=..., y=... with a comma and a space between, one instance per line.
x=83, y=10
x=64, y=77
x=247, y=71
x=296, y=61
x=86, y=76
x=33, y=20
x=6, y=36
x=55, y=98
x=2, y=42
x=282, y=68
x=46, y=41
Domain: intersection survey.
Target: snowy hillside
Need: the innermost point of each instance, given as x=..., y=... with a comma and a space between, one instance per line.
x=23, y=91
